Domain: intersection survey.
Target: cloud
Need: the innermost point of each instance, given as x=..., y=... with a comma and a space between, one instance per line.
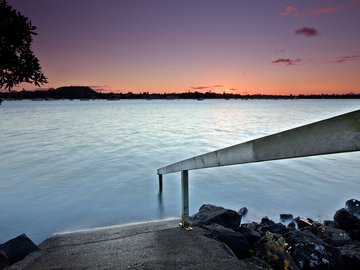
x=232, y=89
x=205, y=87
x=343, y=59
x=307, y=31
x=323, y=10
x=286, y=61
x=288, y=10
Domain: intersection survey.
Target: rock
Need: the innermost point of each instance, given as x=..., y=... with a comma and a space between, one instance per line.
x=251, y=235
x=286, y=217
x=329, y=223
x=276, y=228
x=18, y=248
x=335, y=237
x=255, y=263
x=274, y=255
x=210, y=214
x=349, y=257
x=265, y=221
x=353, y=206
x=4, y=261
x=302, y=222
x=354, y=234
x=291, y=225
x=234, y=240
x=310, y=252
x=242, y=212
x=346, y=221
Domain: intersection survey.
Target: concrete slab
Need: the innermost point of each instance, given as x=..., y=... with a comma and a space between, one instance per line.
x=152, y=245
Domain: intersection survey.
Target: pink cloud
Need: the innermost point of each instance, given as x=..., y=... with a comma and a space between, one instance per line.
x=288, y=10
x=307, y=31
x=286, y=61
x=205, y=87
x=323, y=10
x=343, y=59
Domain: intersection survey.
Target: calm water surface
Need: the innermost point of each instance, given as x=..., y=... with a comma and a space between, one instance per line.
x=67, y=165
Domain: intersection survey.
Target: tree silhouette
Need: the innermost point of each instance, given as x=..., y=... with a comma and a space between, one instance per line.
x=17, y=61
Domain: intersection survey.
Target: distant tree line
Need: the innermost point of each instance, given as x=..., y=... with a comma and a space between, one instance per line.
x=83, y=92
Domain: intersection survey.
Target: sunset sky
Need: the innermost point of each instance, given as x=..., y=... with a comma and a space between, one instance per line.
x=236, y=46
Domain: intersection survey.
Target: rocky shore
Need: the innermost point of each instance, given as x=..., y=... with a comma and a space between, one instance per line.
x=300, y=244
x=293, y=243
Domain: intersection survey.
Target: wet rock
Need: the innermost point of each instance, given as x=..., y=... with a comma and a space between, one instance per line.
x=276, y=228
x=286, y=217
x=302, y=222
x=255, y=263
x=310, y=252
x=18, y=248
x=354, y=234
x=265, y=221
x=335, y=237
x=242, y=212
x=210, y=214
x=234, y=240
x=353, y=206
x=275, y=255
x=349, y=257
x=346, y=220
x=252, y=236
x=4, y=261
x=291, y=225
x=329, y=223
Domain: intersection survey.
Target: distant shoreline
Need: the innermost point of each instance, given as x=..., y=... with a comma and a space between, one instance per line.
x=86, y=93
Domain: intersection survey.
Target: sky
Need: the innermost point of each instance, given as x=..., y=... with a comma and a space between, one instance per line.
x=232, y=46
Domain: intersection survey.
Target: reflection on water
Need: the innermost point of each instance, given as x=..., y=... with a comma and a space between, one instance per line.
x=68, y=165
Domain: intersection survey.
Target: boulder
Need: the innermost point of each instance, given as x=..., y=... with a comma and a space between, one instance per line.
x=335, y=237
x=252, y=236
x=255, y=263
x=349, y=257
x=286, y=217
x=4, y=261
x=310, y=252
x=275, y=255
x=234, y=240
x=346, y=221
x=18, y=248
x=353, y=206
x=242, y=212
x=210, y=214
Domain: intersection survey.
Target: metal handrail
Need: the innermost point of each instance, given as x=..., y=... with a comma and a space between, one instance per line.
x=334, y=135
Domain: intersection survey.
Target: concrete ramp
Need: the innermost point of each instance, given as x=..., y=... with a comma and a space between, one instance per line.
x=153, y=245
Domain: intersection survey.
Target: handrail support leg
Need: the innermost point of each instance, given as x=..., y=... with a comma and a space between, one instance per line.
x=185, y=223
x=160, y=183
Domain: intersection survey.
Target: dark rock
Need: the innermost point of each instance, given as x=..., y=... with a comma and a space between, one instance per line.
x=329, y=223
x=349, y=257
x=242, y=212
x=302, y=222
x=253, y=225
x=354, y=234
x=265, y=221
x=255, y=263
x=252, y=236
x=234, y=240
x=353, y=206
x=346, y=220
x=286, y=217
x=310, y=252
x=335, y=237
x=18, y=248
x=210, y=214
x=291, y=225
x=275, y=255
x=276, y=228
x=4, y=261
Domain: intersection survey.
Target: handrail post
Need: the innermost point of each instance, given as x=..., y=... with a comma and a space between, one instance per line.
x=185, y=199
x=160, y=183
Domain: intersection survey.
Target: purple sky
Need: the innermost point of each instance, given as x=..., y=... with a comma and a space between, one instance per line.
x=224, y=45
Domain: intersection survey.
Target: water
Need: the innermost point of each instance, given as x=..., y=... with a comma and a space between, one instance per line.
x=67, y=165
